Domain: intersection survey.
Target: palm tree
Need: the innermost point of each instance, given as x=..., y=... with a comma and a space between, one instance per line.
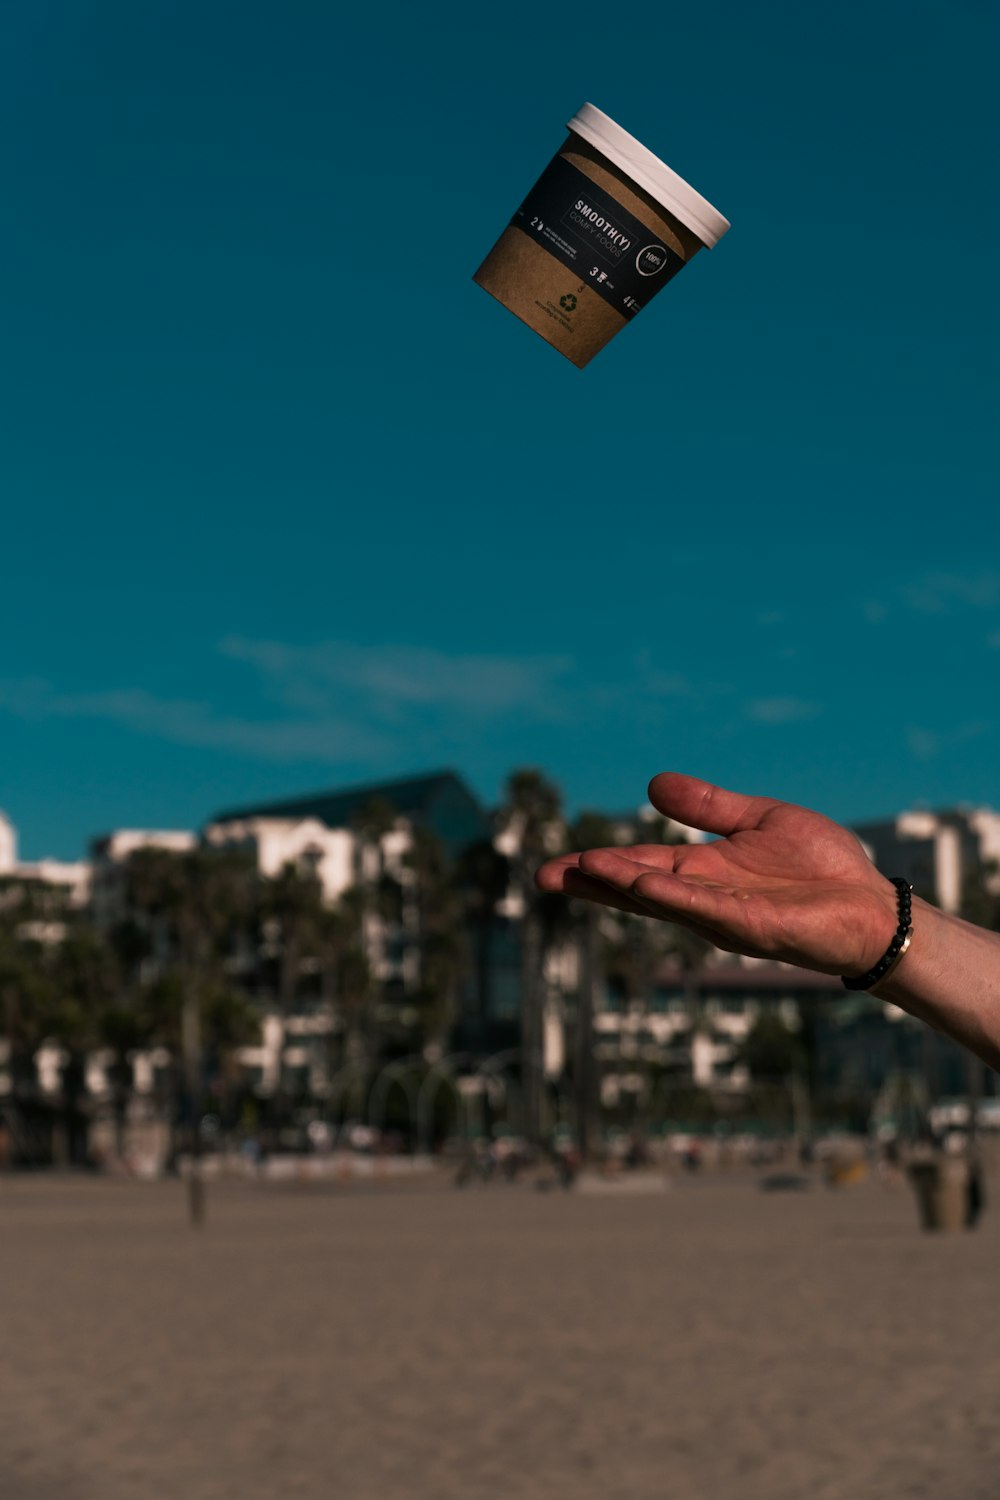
x=372, y=909
x=590, y=830
x=531, y=817
x=483, y=878
x=633, y=962
x=349, y=975
x=291, y=914
x=689, y=951
x=441, y=949
x=126, y=1024
x=85, y=996
x=60, y=982
x=385, y=914
x=25, y=1002
x=193, y=907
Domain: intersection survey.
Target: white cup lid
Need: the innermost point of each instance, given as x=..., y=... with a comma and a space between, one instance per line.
x=599, y=130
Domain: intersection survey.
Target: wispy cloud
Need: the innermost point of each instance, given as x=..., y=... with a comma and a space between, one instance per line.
x=923, y=744
x=398, y=683
x=781, y=710
x=939, y=593
x=338, y=702
x=392, y=679
x=928, y=744
x=190, y=722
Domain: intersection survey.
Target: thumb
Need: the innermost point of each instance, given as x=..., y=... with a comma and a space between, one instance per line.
x=699, y=804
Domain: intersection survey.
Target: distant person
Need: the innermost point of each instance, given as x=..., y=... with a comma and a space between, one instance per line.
x=692, y=1157
x=975, y=1196
x=636, y=1154
x=785, y=883
x=566, y=1161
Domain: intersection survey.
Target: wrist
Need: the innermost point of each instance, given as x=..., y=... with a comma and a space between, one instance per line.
x=926, y=921
x=884, y=939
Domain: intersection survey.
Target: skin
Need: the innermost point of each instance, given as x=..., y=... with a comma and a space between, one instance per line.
x=782, y=882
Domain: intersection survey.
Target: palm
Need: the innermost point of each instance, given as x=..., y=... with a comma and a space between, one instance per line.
x=781, y=882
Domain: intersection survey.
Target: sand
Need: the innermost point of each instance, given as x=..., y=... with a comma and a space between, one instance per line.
x=711, y=1342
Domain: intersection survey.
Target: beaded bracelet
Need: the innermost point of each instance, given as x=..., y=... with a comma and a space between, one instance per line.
x=896, y=948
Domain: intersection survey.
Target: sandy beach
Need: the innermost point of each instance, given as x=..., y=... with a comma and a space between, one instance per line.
x=396, y=1342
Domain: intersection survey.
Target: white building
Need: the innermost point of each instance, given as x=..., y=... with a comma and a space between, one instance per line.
x=110, y=853
x=73, y=876
x=306, y=843
x=938, y=852
x=694, y=1027
x=8, y=845
x=291, y=1043
x=116, y=847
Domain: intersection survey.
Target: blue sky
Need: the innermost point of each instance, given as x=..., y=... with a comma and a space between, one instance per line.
x=288, y=502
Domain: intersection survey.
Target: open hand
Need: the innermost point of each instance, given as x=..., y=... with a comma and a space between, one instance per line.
x=780, y=882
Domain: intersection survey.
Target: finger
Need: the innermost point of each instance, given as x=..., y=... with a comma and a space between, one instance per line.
x=616, y=866
x=613, y=867
x=699, y=804
x=549, y=877
x=689, y=901
x=656, y=856
x=708, y=934
x=587, y=888
x=563, y=877
x=596, y=891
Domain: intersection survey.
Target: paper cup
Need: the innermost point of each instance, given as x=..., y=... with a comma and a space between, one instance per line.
x=604, y=228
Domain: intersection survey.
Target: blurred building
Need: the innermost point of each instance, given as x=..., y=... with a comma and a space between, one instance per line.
x=358, y=836
x=71, y=877
x=8, y=844
x=689, y=1030
x=939, y=853
x=439, y=802
x=694, y=1026
x=109, y=857
x=305, y=843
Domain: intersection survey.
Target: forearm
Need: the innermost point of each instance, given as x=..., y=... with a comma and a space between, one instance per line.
x=950, y=978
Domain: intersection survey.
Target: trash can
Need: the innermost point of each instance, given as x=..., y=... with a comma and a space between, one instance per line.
x=942, y=1188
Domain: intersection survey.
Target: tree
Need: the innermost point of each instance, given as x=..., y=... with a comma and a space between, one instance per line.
x=350, y=974
x=531, y=815
x=291, y=915
x=193, y=907
x=591, y=830
x=773, y=1050
x=85, y=994
x=441, y=950
x=482, y=877
x=372, y=822
x=25, y=1001
x=371, y=909
x=61, y=983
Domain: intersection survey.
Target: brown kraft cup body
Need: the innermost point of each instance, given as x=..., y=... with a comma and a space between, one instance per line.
x=571, y=305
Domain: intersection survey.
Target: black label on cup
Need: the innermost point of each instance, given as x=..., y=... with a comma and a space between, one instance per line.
x=608, y=248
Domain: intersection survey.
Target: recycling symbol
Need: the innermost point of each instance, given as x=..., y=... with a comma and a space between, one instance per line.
x=568, y=302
